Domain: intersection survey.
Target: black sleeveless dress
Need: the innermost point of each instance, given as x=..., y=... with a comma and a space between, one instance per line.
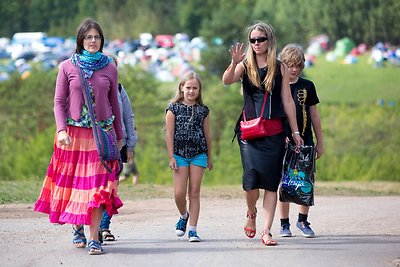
x=262, y=157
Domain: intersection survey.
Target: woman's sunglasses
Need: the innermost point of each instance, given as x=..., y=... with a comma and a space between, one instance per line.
x=258, y=40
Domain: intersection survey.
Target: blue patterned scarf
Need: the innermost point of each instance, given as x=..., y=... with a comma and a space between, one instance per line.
x=90, y=62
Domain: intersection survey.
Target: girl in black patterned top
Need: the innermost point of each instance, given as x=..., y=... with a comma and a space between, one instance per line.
x=188, y=141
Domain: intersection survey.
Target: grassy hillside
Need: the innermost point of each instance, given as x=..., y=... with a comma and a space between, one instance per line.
x=358, y=83
x=361, y=136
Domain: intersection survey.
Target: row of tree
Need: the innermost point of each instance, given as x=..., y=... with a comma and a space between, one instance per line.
x=366, y=21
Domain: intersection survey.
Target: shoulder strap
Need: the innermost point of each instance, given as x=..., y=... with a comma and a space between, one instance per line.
x=262, y=108
x=88, y=101
x=86, y=96
x=119, y=87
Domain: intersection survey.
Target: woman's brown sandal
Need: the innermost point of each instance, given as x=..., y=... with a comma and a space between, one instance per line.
x=250, y=232
x=270, y=241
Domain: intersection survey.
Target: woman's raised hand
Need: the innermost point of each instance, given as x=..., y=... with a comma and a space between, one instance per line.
x=237, y=54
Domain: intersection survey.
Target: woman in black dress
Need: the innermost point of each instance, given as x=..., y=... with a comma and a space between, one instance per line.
x=259, y=72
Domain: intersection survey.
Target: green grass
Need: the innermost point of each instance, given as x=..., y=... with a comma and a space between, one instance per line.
x=362, y=139
x=28, y=191
x=341, y=83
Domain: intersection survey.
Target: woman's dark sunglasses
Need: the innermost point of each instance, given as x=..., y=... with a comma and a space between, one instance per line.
x=258, y=40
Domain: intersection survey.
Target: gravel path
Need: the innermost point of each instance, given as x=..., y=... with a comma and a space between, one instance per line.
x=351, y=231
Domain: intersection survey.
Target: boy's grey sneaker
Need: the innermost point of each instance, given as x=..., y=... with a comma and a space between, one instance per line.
x=180, y=227
x=285, y=230
x=193, y=237
x=305, y=229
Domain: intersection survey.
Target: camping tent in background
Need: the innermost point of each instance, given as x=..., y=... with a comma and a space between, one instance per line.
x=331, y=56
x=314, y=49
x=362, y=48
x=344, y=46
x=350, y=59
x=53, y=41
x=318, y=44
x=309, y=60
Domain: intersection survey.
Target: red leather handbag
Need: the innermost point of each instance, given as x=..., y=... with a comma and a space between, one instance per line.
x=253, y=128
x=260, y=127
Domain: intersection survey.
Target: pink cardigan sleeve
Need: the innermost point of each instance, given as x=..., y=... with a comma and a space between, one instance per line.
x=60, y=98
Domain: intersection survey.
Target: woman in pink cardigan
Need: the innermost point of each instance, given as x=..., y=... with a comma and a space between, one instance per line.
x=77, y=187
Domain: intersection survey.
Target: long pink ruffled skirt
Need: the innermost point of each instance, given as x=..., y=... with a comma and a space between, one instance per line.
x=76, y=181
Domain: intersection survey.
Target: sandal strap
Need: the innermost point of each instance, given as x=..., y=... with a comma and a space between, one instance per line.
x=266, y=232
x=107, y=235
x=79, y=231
x=78, y=235
x=93, y=244
x=251, y=215
x=77, y=240
x=270, y=241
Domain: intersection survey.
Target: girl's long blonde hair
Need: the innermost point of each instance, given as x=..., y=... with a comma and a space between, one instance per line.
x=179, y=93
x=251, y=63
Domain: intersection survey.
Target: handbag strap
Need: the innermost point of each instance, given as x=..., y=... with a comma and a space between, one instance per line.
x=262, y=108
x=88, y=102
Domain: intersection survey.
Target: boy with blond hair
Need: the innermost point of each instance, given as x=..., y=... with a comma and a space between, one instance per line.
x=308, y=121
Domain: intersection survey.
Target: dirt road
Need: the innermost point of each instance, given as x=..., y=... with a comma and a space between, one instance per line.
x=351, y=231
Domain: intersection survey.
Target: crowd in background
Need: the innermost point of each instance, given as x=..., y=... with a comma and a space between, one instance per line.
x=165, y=56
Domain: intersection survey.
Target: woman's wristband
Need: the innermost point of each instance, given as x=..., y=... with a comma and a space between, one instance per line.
x=296, y=133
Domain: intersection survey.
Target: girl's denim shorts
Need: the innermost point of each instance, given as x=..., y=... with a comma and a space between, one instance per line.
x=198, y=160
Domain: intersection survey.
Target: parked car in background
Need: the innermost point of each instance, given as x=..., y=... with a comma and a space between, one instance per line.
x=165, y=56
x=27, y=44
x=146, y=40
